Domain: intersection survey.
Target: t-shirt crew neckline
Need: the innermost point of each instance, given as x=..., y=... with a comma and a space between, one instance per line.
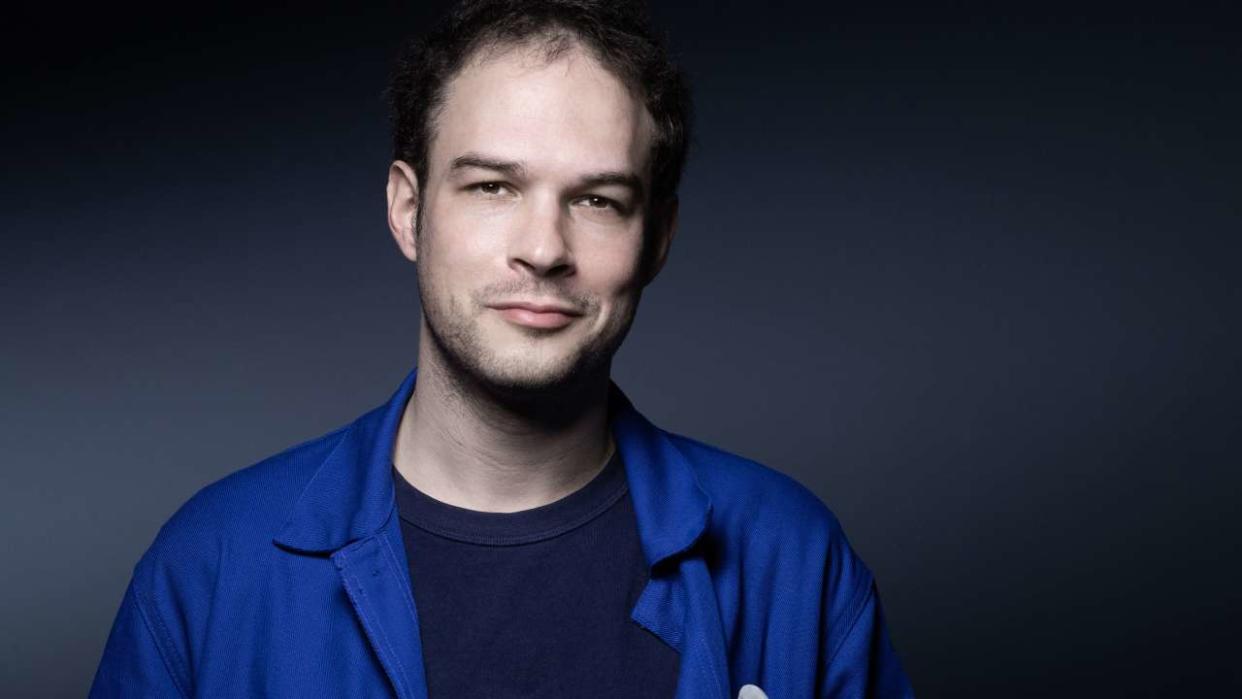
x=513, y=528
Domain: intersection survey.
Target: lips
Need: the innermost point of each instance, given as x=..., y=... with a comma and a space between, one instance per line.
x=537, y=307
x=545, y=316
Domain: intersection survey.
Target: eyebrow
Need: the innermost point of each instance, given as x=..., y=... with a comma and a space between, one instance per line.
x=516, y=169
x=508, y=167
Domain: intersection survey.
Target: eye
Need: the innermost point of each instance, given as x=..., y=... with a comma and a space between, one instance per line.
x=594, y=201
x=489, y=189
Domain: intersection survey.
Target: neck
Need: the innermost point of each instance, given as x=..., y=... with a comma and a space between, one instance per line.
x=471, y=446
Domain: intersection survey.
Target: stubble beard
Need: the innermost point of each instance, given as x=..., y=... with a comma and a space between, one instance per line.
x=471, y=365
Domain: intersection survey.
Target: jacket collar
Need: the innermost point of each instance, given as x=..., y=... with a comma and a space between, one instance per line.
x=351, y=495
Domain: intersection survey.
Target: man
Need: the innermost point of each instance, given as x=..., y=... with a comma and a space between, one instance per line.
x=508, y=524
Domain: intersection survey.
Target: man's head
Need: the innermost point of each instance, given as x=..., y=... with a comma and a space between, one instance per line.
x=538, y=150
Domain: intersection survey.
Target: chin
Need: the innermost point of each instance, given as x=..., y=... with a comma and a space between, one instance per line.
x=530, y=375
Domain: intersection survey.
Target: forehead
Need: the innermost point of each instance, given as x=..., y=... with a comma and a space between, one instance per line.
x=565, y=116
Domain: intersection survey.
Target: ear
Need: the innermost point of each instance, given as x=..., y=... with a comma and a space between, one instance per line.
x=403, y=204
x=661, y=239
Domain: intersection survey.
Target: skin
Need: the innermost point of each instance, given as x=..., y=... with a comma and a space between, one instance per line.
x=506, y=417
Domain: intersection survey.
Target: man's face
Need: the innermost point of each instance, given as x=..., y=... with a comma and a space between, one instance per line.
x=530, y=235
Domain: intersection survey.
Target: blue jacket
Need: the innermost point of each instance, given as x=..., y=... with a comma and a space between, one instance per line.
x=289, y=578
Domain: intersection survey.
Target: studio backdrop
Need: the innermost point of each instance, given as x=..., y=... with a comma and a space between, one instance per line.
x=970, y=278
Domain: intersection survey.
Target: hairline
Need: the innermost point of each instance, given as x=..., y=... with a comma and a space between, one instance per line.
x=550, y=43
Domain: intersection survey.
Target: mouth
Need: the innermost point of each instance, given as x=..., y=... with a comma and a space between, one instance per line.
x=536, y=315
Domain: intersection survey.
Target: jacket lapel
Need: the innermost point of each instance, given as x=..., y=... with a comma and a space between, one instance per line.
x=379, y=589
x=347, y=511
x=679, y=603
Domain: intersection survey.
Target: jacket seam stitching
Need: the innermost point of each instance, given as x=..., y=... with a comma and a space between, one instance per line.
x=401, y=679
x=392, y=559
x=160, y=636
x=867, y=592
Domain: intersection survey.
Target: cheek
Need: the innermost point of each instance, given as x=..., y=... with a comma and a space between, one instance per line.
x=613, y=265
x=614, y=281
x=456, y=249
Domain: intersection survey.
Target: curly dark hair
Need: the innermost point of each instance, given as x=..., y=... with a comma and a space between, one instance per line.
x=618, y=32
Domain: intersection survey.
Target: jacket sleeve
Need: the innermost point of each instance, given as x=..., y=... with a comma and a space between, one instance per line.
x=862, y=662
x=137, y=659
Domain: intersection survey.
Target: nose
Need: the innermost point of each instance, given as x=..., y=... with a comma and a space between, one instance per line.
x=540, y=243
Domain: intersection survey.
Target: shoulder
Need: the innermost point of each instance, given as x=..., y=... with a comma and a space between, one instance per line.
x=238, y=515
x=212, y=550
x=742, y=490
x=769, y=519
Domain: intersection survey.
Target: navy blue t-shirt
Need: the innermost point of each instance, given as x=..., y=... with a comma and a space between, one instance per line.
x=534, y=603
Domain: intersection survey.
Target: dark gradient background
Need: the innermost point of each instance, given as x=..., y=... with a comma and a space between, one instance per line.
x=970, y=277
